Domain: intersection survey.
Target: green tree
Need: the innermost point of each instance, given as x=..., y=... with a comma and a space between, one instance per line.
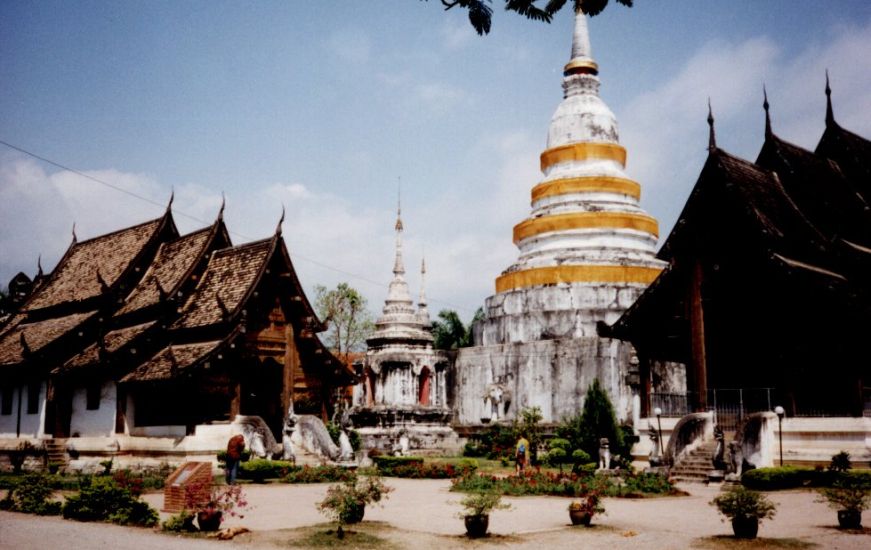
x=344, y=310
x=450, y=332
x=480, y=12
x=597, y=420
x=527, y=424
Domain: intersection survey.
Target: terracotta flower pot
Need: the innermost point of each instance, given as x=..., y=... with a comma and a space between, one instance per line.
x=745, y=527
x=850, y=519
x=579, y=517
x=209, y=520
x=476, y=526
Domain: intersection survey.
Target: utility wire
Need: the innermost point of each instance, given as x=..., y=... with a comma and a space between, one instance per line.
x=198, y=220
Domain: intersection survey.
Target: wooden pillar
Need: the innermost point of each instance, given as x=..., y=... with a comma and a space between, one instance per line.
x=235, y=400
x=120, y=409
x=645, y=385
x=698, y=360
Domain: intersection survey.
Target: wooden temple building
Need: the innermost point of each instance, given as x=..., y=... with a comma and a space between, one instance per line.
x=768, y=283
x=145, y=332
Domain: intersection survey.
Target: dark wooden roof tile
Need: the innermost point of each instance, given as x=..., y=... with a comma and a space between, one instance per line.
x=170, y=361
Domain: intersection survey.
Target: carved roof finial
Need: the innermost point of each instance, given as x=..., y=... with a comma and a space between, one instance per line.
x=25, y=349
x=171, y=199
x=103, y=286
x=765, y=106
x=830, y=114
x=223, y=204
x=280, y=221
x=712, y=138
x=398, y=226
x=39, y=266
x=75, y=239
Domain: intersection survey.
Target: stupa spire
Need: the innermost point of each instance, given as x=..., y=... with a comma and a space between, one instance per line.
x=422, y=310
x=398, y=266
x=582, y=53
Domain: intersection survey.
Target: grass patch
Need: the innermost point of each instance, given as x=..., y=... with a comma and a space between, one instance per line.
x=361, y=535
x=728, y=541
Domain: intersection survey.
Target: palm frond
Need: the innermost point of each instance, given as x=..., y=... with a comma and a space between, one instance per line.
x=528, y=9
x=554, y=6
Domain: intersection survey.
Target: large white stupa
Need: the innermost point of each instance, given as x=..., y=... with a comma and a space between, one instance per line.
x=587, y=251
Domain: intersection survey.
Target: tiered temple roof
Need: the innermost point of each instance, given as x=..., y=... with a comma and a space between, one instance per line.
x=768, y=273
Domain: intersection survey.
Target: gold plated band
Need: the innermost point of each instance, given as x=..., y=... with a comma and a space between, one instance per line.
x=585, y=220
x=591, y=184
x=576, y=274
x=583, y=151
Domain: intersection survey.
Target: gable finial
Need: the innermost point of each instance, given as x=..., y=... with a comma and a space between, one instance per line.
x=767, y=114
x=39, y=266
x=830, y=114
x=25, y=348
x=280, y=221
x=223, y=204
x=171, y=199
x=712, y=138
x=75, y=239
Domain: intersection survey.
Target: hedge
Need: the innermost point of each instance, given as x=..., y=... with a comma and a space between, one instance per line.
x=259, y=470
x=790, y=477
x=387, y=464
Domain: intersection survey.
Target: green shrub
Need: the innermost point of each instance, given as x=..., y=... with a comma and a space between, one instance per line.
x=783, y=477
x=182, y=522
x=319, y=474
x=570, y=485
x=474, y=449
x=32, y=495
x=386, y=464
x=743, y=503
x=102, y=499
x=260, y=469
x=245, y=456
x=840, y=462
x=597, y=420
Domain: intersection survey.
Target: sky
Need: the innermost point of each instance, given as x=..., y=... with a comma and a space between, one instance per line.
x=329, y=108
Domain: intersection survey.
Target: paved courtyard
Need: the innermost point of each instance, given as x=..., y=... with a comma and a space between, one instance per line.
x=422, y=514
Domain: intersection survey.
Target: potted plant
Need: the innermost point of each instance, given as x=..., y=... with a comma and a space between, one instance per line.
x=476, y=511
x=745, y=508
x=211, y=502
x=581, y=511
x=345, y=503
x=849, y=499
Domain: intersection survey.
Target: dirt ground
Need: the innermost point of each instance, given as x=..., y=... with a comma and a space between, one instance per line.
x=422, y=514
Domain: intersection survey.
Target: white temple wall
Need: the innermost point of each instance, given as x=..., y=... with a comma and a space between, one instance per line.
x=31, y=424
x=96, y=422
x=551, y=374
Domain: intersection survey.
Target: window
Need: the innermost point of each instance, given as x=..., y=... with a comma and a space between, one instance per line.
x=6, y=406
x=33, y=391
x=92, y=396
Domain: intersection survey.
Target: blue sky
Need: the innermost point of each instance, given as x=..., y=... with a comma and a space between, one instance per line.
x=324, y=106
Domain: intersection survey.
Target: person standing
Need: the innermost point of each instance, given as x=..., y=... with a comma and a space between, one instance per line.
x=521, y=454
x=234, y=455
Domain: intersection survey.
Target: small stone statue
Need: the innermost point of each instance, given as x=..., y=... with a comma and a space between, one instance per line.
x=719, y=460
x=604, y=454
x=736, y=459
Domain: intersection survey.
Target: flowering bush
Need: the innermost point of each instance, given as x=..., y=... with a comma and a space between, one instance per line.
x=433, y=470
x=224, y=498
x=591, y=503
x=344, y=502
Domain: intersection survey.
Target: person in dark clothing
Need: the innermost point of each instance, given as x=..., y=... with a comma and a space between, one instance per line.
x=234, y=455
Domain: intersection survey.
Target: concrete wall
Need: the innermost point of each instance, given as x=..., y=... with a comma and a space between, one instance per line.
x=551, y=374
x=97, y=422
x=31, y=425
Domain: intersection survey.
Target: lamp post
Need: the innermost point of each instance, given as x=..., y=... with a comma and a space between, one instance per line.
x=778, y=410
x=658, y=412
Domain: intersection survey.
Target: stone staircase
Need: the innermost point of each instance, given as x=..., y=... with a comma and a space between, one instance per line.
x=694, y=467
x=56, y=453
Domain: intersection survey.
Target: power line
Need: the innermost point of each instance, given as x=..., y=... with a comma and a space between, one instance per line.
x=198, y=220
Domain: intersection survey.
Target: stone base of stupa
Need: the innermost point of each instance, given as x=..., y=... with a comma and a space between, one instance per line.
x=413, y=430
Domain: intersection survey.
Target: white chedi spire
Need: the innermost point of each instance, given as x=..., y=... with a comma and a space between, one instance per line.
x=586, y=226
x=422, y=311
x=399, y=320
